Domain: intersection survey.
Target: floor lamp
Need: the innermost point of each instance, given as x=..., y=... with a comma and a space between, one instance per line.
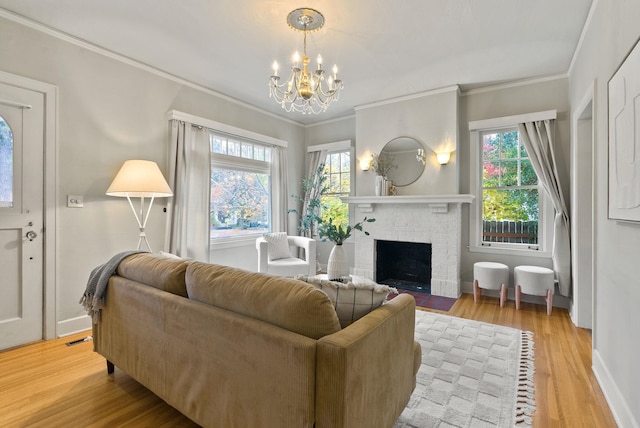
x=140, y=179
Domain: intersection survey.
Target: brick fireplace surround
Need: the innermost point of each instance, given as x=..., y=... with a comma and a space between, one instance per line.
x=429, y=219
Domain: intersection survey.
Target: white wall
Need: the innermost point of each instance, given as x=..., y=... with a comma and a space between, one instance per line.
x=110, y=111
x=430, y=118
x=612, y=33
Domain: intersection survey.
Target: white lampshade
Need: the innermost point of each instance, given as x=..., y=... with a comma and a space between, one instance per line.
x=139, y=178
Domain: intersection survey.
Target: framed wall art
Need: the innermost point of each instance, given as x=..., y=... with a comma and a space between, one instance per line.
x=624, y=139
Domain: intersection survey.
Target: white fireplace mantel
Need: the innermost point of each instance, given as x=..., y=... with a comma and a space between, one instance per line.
x=431, y=219
x=437, y=203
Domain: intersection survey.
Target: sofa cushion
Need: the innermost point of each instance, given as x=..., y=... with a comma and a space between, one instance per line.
x=157, y=271
x=280, y=301
x=278, y=245
x=353, y=299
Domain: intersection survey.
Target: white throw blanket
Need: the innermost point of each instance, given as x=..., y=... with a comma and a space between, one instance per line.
x=93, y=297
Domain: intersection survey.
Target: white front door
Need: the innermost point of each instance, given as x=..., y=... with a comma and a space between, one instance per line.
x=21, y=215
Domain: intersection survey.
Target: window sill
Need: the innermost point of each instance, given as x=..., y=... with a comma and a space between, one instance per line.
x=521, y=252
x=223, y=243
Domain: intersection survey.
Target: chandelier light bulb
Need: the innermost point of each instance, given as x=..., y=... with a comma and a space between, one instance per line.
x=319, y=62
x=296, y=59
x=275, y=68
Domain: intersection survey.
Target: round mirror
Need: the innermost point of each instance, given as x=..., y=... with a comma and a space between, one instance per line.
x=403, y=160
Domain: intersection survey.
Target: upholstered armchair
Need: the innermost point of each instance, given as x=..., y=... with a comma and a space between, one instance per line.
x=275, y=254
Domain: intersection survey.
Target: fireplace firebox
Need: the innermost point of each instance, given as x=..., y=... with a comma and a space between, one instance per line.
x=404, y=265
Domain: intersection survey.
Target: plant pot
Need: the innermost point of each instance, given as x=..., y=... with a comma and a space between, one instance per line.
x=337, y=267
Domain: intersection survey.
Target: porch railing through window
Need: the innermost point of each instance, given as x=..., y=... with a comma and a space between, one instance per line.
x=518, y=232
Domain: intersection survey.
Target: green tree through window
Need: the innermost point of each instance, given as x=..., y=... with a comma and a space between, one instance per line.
x=510, y=196
x=240, y=187
x=337, y=168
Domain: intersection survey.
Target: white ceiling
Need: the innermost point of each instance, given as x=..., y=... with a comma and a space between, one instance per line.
x=384, y=48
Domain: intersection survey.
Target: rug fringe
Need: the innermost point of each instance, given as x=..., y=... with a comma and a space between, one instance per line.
x=525, y=395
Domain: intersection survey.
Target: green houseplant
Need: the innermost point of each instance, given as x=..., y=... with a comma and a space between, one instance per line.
x=312, y=190
x=338, y=233
x=337, y=266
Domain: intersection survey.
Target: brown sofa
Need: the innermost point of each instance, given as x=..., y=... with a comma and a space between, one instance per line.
x=230, y=348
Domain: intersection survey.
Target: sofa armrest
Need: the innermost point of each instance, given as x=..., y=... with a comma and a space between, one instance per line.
x=366, y=372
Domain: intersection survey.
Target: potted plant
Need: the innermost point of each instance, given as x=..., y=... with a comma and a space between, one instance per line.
x=312, y=190
x=381, y=165
x=337, y=266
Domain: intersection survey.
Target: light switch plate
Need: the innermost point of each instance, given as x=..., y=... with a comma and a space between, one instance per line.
x=75, y=201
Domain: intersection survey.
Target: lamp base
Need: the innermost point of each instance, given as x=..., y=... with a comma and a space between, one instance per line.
x=142, y=238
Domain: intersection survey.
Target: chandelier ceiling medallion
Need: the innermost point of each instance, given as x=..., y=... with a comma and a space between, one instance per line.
x=305, y=91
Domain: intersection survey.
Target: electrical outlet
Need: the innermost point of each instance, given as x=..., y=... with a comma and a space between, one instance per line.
x=75, y=201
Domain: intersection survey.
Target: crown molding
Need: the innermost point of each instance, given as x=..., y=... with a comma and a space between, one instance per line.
x=585, y=28
x=19, y=19
x=409, y=97
x=515, y=84
x=330, y=121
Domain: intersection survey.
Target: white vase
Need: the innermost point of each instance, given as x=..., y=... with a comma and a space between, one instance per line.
x=380, y=185
x=337, y=267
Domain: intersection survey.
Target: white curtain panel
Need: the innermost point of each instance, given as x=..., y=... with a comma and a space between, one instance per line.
x=280, y=192
x=315, y=159
x=537, y=138
x=187, y=233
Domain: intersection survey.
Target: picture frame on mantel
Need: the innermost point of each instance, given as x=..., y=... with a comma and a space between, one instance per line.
x=624, y=139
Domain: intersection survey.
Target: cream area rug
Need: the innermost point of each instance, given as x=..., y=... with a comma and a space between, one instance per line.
x=473, y=374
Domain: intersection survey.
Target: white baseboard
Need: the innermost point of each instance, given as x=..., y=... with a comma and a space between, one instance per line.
x=618, y=405
x=73, y=325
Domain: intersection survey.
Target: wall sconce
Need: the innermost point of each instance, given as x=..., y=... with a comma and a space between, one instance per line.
x=443, y=157
x=365, y=164
x=420, y=156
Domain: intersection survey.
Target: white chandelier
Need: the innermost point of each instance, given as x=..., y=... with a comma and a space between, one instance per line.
x=305, y=91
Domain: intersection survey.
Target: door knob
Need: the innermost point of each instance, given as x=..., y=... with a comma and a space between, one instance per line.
x=31, y=235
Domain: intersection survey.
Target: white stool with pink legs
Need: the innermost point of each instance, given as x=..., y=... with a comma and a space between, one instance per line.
x=490, y=276
x=536, y=281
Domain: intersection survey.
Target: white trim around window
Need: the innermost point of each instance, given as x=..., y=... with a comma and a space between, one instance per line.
x=507, y=121
x=330, y=147
x=546, y=213
x=224, y=128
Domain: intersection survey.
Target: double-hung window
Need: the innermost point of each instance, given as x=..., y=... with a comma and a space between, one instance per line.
x=337, y=168
x=511, y=212
x=240, y=187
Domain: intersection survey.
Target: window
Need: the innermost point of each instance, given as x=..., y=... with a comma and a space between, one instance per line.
x=511, y=211
x=337, y=168
x=510, y=200
x=240, y=187
x=6, y=165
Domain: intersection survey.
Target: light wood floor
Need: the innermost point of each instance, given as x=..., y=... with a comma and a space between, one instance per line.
x=49, y=384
